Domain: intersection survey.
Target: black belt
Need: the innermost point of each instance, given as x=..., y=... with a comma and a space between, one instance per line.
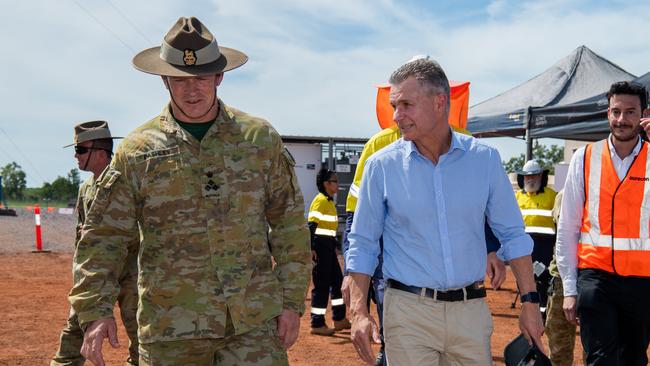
x=473, y=291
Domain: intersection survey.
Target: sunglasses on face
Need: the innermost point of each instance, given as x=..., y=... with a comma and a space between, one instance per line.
x=333, y=181
x=84, y=150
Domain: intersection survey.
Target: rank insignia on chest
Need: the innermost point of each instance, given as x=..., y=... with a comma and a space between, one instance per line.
x=189, y=57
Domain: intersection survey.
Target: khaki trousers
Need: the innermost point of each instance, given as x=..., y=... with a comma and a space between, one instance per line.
x=421, y=331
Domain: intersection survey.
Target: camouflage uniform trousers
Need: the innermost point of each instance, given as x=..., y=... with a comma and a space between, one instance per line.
x=72, y=336
x=561, y=334
x=260, y=346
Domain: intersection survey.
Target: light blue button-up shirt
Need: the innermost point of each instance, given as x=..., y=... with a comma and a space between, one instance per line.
x=432, y=216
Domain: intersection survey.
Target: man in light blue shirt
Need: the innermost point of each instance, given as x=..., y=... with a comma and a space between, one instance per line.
x=429, y=194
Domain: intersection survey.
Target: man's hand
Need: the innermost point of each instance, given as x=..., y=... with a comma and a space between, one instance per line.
x=496, y=270
x=364, y=328
x=314, y=256
x=569, y=307
x=531, y=325
x=94, y=339
x=345, y=290
x=288, y=327
x=645, y=125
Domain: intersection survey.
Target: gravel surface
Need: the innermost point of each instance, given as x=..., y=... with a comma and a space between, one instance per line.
x=17, y=234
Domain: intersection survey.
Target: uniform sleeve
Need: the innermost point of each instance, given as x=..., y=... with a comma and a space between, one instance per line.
x=289, y=237
x=81, y=213
x=109, y=229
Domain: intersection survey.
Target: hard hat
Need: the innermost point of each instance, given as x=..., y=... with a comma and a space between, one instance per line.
x=531, y=167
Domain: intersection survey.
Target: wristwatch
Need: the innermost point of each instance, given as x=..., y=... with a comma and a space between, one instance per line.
x=532, y=297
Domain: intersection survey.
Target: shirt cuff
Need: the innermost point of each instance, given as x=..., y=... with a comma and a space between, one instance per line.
x=516, y=248
x=570, y=287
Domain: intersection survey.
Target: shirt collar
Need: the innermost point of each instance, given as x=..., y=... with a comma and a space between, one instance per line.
x=456, y=144
x=635, y=151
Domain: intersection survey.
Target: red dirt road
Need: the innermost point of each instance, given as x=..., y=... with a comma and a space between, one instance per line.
x=33, y=291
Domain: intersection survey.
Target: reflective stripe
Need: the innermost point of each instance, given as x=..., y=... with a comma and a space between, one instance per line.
x=595, y=168
x=644, y=215
x=323, y=217
x=337, y=302
x=318, y=311
x=37, y=218
x=537, y=212
x=605, y=241
x=540, y=230
x=325, y=232
x=354, y=190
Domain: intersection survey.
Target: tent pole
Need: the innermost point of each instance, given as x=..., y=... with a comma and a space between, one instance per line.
x=529, y=140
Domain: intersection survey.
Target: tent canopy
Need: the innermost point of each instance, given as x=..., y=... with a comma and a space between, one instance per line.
x=585, y=120
x=576, y=77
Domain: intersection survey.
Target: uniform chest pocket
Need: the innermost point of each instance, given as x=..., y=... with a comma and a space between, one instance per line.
x=163, y=172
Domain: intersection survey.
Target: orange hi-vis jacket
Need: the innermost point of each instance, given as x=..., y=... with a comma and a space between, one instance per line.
x=615, y=233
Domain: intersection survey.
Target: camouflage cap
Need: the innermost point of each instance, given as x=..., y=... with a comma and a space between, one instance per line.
x=188, y=49
x=92, y=130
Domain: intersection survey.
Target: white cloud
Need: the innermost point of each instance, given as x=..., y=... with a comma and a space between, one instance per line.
x=313, y=64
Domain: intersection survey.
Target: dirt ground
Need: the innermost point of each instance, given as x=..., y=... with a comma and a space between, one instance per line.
x=33, y=290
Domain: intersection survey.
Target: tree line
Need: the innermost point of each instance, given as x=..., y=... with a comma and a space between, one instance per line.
x=14, y=186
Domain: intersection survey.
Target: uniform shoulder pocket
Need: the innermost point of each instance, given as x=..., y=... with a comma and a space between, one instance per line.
x=102, y=196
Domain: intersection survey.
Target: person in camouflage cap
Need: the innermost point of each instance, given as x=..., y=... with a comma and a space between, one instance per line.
x=211, y=192
x=93, y=146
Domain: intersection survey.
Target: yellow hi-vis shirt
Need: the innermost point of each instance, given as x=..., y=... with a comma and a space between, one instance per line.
x=377, y=142
x=323, y=212
x=537, y=210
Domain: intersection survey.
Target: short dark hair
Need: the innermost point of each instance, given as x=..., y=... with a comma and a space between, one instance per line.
x=104, y=144
x=323, y=176
x=427, y=72
x=629, y=88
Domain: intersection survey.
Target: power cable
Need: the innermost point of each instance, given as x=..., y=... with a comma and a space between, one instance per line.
x=23, y=155
x=129, y=21
x=103, y=26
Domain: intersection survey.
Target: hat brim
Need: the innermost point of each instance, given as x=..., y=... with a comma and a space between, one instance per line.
x=77, y=143
x=149, y=61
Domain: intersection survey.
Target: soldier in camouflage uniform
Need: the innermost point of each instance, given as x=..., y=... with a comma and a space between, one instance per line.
x=560, y=332
x=212, y=193
x=93, y=145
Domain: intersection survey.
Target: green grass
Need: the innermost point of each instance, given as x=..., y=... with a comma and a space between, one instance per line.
x=42, y=203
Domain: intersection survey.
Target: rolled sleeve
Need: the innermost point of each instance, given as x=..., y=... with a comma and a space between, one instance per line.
x=368, y=223
x=503, y=214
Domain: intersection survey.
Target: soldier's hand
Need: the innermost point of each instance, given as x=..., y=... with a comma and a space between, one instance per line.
x=496, y=270
x=364, y=328
x=94, y=339
x=345, y=290
x=569, y=307
x=288, y=327
x=531, y=324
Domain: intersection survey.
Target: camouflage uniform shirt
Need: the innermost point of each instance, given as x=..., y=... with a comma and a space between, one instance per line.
x=212, y=214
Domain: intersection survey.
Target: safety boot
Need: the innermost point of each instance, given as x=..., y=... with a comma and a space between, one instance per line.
x=340, y=325
x=323, y=331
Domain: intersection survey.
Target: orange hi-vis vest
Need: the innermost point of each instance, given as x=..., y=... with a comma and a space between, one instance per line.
x=615, y=233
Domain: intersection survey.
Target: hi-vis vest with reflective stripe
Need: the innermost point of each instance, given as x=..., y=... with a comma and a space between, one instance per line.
x=615, y=233
x=537, y=210
x=323, y=212
x=377, y=142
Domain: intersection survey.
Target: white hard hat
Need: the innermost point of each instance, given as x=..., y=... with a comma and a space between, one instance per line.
x=531, y=167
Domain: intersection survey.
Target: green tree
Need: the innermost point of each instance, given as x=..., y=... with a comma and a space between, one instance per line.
x=75, y=181
x=13, y=181
x=546, y=156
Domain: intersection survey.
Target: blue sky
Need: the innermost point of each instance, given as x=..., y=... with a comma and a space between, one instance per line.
x=313, y=64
